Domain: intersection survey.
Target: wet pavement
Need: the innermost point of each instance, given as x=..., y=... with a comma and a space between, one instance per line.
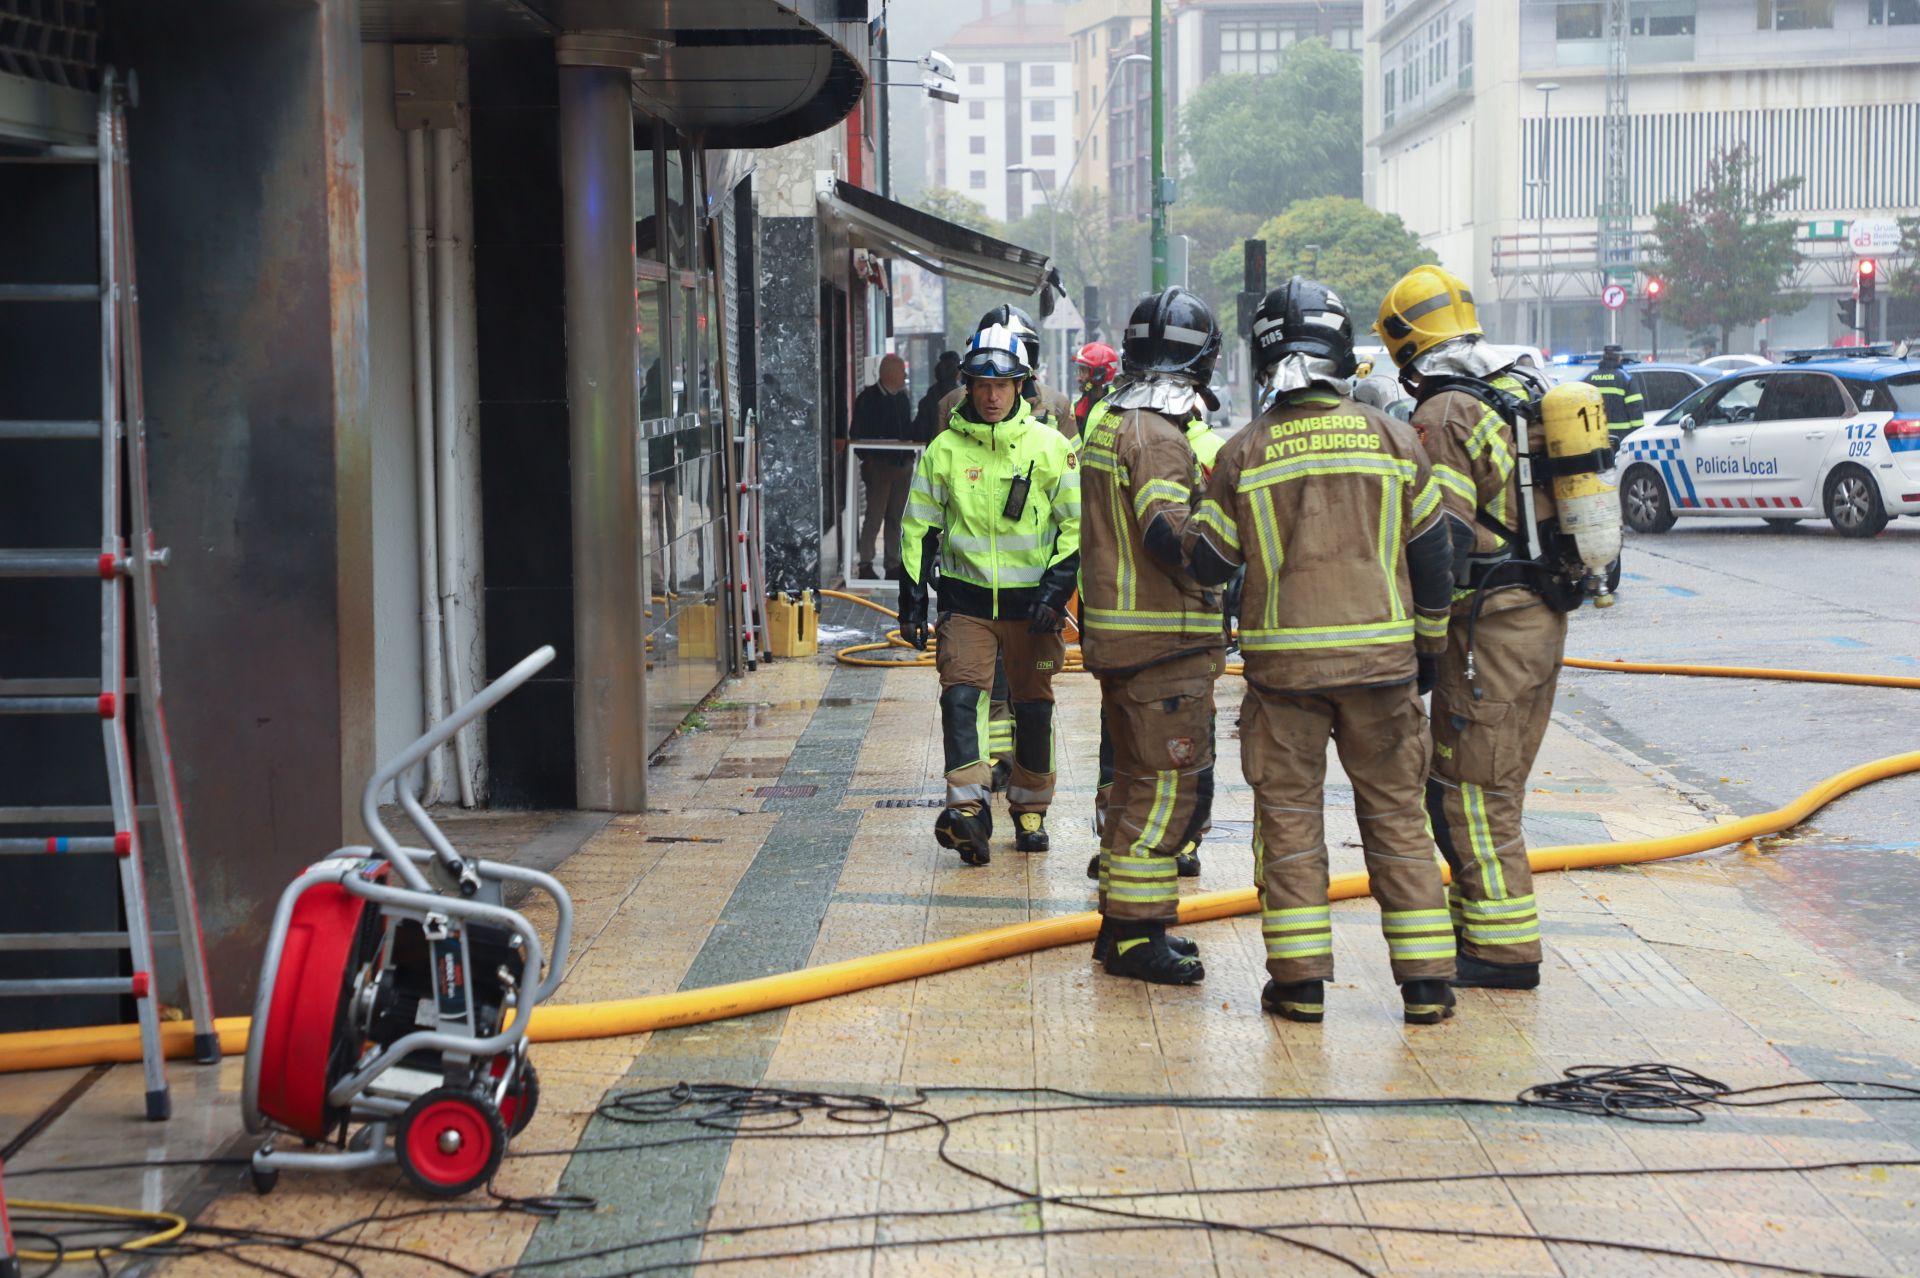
x=791, y=828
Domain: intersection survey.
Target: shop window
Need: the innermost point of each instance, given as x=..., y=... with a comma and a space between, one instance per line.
x=1793, y=15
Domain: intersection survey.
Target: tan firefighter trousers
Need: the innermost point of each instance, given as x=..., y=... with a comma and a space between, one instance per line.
x=1381, y=734
x=968, y=648
x=1159, y=721
x=1483, y=752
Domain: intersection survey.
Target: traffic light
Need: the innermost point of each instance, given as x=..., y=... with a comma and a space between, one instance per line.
x=1655, y=288
x=1867, y=273
x=1849, y=314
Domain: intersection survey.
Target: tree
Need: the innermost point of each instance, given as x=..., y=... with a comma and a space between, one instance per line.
x=1352, y=249
x=1725, y=259
x=1903, y=281
x=965, y=302
x=1213, y=231
x=1256, y=144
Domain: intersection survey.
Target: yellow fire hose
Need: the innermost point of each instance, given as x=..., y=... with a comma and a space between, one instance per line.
x=53, y=1049
x=170, y=1228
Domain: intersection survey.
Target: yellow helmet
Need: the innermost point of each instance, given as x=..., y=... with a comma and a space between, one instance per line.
x=1428, y=305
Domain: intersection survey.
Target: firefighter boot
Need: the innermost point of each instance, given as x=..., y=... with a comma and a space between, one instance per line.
x=966, y=830
x=1427, y=1002
x=1104, y=942
x=1479, y=974
x=1030, y=832
x=1303, y=1001
x=1187, y=863
x=1142, y=951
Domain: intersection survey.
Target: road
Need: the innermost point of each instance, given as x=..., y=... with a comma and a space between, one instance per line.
x=1736, y=592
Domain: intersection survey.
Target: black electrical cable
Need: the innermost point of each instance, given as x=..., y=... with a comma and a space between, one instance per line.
x=1644, y=1093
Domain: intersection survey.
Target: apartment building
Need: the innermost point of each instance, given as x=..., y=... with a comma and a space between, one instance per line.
x=1015, y=109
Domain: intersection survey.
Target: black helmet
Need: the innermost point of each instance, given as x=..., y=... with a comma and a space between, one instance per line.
x=1171, y=332
x=1012, y=317
x=1303, y=317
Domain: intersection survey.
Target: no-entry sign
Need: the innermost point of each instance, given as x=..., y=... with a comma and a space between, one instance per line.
x=1613, y=297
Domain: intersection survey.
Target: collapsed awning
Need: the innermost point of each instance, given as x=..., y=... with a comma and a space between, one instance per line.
x=892, y=229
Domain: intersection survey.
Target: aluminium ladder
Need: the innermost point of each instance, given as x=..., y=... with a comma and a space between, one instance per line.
x=124, y=563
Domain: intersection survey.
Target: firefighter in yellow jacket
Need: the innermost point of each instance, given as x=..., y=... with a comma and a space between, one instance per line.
x=995, y=501
x=1333, y=509
x=1497, y=679
x=1149, y=632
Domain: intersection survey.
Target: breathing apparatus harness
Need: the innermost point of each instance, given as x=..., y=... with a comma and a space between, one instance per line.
x=1539, y=556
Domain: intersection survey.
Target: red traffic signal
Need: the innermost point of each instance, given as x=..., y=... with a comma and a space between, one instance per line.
x=1654, y=289
x=1866, y=274
x=1866, y=268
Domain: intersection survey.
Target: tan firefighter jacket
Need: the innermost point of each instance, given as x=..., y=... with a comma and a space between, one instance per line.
x=1334, y=510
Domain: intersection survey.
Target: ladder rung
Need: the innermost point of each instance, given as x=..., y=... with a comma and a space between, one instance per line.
x=49, y=430
x=54, y=155
x=58, y=845
x=30, y=941
x=57, y=687
x=73, y=814
x=53, y=563
x=69, y=985
x=49, y=292
x=51, y=705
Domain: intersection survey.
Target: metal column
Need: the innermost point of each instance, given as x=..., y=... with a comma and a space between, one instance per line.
x=609, y=554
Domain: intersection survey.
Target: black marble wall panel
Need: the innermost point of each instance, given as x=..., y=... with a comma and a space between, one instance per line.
x=789, y=400
x=520, y=304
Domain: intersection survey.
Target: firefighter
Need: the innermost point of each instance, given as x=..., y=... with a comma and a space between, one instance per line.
x=1618, y=390
x=1495, y=686
x=997, y=497
x=1149, y=632
x=1333, y=510
x=1050, y=407
x=1098, y=364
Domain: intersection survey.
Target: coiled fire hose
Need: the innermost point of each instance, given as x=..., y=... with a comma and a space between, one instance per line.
x=53, y=1049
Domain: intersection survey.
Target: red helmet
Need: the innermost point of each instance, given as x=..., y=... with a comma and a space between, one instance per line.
x=1101, y=358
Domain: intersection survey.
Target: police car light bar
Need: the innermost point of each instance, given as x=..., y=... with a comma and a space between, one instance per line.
x=1880, y=350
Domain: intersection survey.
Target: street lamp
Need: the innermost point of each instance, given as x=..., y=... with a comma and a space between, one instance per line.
x=1053, y=226
x=1547, y=90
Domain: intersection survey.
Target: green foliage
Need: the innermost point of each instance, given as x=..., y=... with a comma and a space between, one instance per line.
x=1214, y=231
x=1723, y=256
x=1904, y=280
x=967, y=302
x=1347, y=246
x=1259, y=143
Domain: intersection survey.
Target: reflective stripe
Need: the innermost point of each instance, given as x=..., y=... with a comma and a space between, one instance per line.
x=1273, y=555
x=1159, y=490
x=1390, y=553
x=1480, y=835
x=1413, y=920
x=1513, y=905
x=1455, y=482
x=1345, y=463
x=1016, y=541
x=922, y=507
x=1425, y=627
x=960, y=795
x=1214, y=516
x=1427, y=502
x=1019, y=794
x=988, y=573
x=1190, y=623
x=1283, y=638
x=1166, y=788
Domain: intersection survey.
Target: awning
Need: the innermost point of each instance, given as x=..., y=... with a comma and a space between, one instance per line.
x=892, y=229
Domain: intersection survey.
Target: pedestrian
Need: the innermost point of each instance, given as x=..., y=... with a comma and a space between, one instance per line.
x=1619, y=391
x=946, y=379
x=1496, y=682
x=884, y=412
x=997, y=497
x=1332, y=508
x=1148, y=632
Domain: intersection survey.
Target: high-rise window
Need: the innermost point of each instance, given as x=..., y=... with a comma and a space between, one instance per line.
x=1348, y=36
x=1387, y=102
x=1040, y=144
x=976, y=110
x=1251, y=48
x=1894, y=13
x=977, y=180
x=1792, y=15
x=1658, y=18
x=1040, y=75
x=976, y=75
x=1579, y=22
x=1043, y=111
x=976, y=146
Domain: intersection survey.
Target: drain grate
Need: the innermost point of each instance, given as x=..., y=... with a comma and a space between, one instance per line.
x=910, y=803
x=786, y=792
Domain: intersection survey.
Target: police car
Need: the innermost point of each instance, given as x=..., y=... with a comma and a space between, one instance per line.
x=1832, y=433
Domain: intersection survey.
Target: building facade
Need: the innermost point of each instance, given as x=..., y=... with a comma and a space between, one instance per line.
x=1101, y=32
x=1016, y=108
x=1484, y=133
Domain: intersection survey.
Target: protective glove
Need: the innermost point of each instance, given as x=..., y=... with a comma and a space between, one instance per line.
x=1429, y=672
x=1043, y=618
x=1048, y=611
x=913, y=610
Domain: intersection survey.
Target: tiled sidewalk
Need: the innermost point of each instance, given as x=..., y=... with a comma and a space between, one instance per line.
x=1669, y=963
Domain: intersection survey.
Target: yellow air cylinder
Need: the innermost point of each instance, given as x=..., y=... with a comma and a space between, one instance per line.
x=1573, y=418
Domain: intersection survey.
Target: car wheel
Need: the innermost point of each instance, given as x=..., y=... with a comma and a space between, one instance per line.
x=1643, y=502
x=1853, y=503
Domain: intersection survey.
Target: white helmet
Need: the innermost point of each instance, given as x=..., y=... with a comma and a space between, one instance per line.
x=996, y=351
